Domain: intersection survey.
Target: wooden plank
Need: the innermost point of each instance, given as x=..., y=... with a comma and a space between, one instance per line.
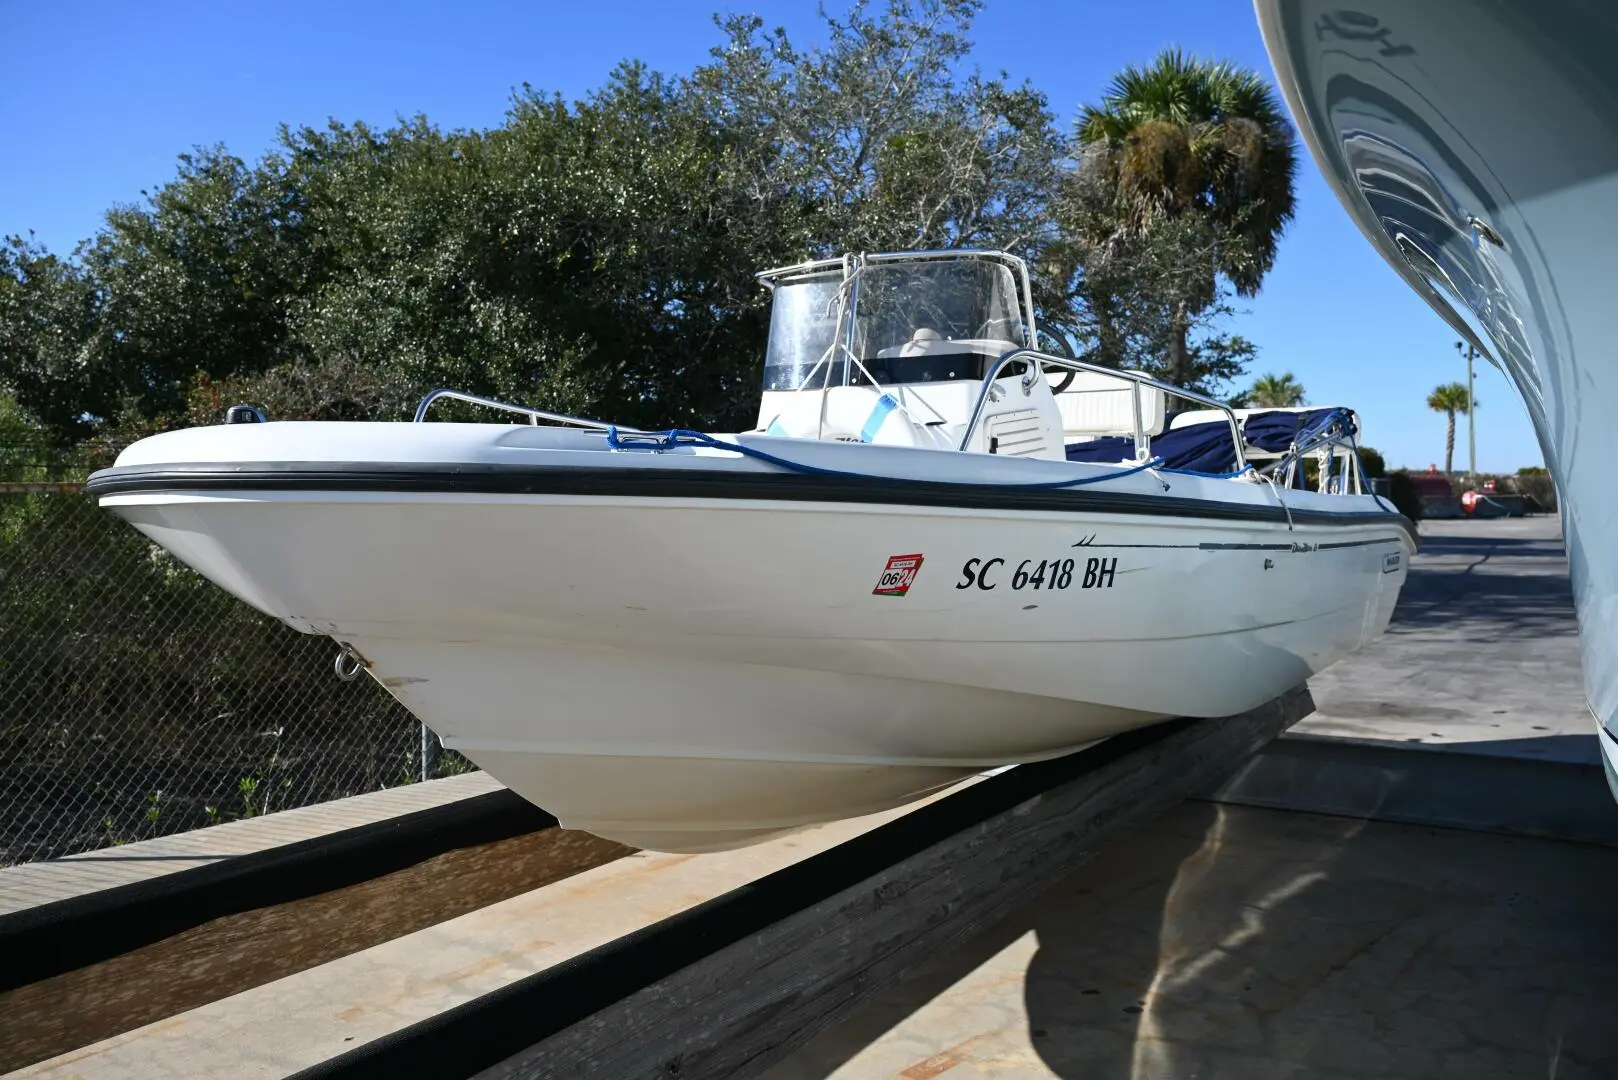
x=748, y=1004
x=52, y=938
x=53, y=487
x=31, y=885
x=246, y=949
x=302, y=1020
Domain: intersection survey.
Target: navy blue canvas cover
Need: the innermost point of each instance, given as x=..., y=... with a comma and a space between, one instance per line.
x=1205, y=447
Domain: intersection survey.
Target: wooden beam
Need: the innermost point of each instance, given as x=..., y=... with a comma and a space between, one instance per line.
x=750, y=1002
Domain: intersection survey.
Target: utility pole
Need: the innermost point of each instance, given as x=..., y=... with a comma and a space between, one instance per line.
x=1471, y=433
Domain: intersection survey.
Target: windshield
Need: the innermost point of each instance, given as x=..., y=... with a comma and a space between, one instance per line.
x=914, y=321
x=803, y=323
x=937, y=300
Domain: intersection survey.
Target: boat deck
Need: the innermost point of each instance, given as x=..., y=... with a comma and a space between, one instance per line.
x=1233, y=936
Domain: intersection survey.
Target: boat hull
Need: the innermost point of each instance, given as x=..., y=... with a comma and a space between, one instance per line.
x=1475, y=144
x=688, y=674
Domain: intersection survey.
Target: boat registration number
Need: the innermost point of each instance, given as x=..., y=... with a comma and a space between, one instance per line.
x=1038, y=574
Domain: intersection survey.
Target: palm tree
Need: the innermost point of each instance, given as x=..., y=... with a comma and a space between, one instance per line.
x=1202, y=144
x=1449, y=399
x=1275, y=392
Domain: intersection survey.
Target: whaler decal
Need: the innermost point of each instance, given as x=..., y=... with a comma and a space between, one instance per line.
x=898, y=575
x=1047, y=574
x=1390, y=563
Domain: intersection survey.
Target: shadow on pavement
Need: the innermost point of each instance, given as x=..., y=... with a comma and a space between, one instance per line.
x=1236, y=942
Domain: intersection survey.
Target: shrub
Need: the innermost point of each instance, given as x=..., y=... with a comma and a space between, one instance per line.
x=1372, y=462
x=1402, y=493
x=1537, y=485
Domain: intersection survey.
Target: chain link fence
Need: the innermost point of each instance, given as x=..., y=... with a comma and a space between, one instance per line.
x=139, y=699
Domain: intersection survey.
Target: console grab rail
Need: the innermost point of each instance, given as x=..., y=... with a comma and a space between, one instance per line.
x=1035, y=362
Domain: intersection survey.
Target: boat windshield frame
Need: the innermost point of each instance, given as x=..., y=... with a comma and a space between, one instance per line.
x=839, y=361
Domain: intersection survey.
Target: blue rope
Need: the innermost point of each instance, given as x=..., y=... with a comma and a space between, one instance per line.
x=1345, y=415
x=659, y=441
x=1243, y=471
x=1365, y=481
x=1324, y=422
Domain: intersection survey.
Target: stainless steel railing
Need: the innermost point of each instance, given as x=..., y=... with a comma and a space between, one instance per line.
x=1337, y=432
x=534, y=415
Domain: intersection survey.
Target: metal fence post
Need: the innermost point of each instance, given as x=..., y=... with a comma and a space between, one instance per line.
x=429, y=752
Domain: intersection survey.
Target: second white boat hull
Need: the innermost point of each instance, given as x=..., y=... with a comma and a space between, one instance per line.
x=1475, y=145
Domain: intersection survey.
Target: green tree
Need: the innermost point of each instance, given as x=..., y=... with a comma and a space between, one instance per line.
x=597, y=256
x=1203, y=146
x=1275, y=392
x=1121, y=292
x=49, y=311
x=1449, y=399
x=876, y=140
x=594, y=256
x=20, y=443
x=1372, y=462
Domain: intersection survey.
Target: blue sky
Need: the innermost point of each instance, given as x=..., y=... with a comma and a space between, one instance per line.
x=105, y=94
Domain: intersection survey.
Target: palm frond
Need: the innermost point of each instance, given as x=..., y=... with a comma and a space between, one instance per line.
x=1449, y=398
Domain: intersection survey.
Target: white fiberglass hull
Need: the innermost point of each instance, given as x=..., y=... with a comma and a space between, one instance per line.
x=702, y=667
x=1475, y=144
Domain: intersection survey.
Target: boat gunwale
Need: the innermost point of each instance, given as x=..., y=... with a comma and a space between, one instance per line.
x=485, y=478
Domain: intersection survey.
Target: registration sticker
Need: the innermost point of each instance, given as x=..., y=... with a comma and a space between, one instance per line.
x=897, y=576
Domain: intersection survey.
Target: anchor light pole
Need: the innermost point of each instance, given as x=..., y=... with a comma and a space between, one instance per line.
x=1471, y=433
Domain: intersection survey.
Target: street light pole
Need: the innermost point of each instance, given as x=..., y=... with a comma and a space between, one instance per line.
x=1471, y=432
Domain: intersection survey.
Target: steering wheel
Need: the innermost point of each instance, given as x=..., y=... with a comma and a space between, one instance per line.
x=989, y=327
x=1066, y=382
x=1066, y=352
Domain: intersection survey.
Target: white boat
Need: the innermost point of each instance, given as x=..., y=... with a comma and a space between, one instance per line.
x=901, y=577
x=1475, y=145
